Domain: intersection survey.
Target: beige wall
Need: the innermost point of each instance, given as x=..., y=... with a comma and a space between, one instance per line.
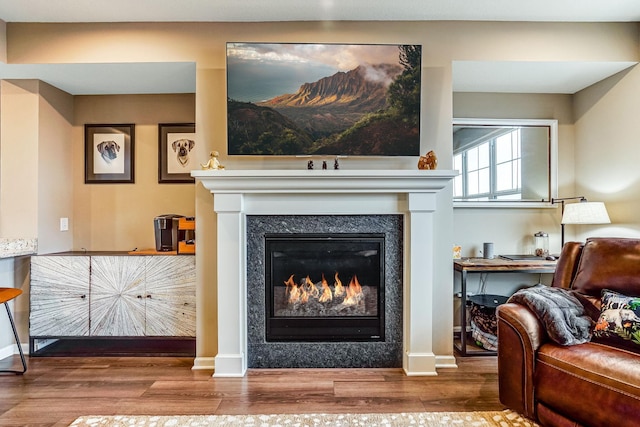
x=35, y=145
x=19, y=101
x=119, y=217
x=3, y=41
x=607, y=152
x=55, y=177
x=204, y=43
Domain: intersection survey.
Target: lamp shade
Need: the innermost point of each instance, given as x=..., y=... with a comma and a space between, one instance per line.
x=585, y=213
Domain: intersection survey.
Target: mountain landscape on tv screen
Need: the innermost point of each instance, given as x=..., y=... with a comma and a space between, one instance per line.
x=369, y=110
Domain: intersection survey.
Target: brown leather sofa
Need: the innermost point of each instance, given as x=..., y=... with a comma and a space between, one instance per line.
x=592, y=384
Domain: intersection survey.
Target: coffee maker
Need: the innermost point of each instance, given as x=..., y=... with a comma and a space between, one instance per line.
x=167, y=233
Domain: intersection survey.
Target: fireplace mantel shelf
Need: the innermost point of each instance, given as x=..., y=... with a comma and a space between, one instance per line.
x=316, y=181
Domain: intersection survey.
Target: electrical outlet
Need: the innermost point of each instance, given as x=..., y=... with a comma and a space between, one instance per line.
x=64, y=224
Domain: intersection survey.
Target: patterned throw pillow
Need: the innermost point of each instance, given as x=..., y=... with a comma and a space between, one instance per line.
x=619, y=318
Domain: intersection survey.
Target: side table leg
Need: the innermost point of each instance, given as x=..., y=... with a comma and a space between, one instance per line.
x=463, y=313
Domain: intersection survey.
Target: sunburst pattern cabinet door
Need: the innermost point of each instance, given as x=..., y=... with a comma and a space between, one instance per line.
x=171, y=296
x=59, y=293
x=117, y=296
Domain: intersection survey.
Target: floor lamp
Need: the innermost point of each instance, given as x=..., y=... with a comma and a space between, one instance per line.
x=583, y=212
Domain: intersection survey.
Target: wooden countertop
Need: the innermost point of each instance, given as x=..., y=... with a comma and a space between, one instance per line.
x=114, y=253
x=501, y=264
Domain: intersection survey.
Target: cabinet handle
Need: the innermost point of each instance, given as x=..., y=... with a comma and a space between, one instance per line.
x=83, y=296
x=149, y=296
x=139, y=296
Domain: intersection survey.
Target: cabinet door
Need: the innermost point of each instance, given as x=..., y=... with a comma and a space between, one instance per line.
x=171, y=295
x=59, y=294
x=117, y=295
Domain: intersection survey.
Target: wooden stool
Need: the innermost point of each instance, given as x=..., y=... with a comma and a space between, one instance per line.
x=7, y=294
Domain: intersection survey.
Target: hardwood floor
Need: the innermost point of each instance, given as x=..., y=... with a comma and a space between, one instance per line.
x=56, y=390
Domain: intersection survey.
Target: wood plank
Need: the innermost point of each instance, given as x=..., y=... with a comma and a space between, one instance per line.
x=55, y=391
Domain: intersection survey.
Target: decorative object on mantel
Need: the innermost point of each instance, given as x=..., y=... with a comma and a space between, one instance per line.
x=428, y=161
x=213, y=163
x=336, y=165
x=310, y=164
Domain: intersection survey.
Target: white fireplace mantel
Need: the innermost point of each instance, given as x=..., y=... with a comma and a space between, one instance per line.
x=423, y=197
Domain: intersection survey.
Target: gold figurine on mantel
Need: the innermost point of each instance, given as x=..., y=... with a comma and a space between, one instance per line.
x=213, y=162
x=428, y=161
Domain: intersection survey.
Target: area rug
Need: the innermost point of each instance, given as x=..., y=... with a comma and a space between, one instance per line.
x=427, y=419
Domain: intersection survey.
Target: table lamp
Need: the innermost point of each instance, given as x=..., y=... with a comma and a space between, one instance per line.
x=583, y=212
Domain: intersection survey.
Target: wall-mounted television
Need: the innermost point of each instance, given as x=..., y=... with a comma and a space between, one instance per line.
x=302, y=99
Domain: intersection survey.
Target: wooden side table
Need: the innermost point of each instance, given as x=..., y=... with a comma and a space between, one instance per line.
x=496, y=265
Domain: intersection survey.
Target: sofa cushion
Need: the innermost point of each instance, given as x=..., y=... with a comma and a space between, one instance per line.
x=608, y=263
x=619, y=319
x=592, y=383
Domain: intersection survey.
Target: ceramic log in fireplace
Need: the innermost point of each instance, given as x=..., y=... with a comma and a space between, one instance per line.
x=324, y=287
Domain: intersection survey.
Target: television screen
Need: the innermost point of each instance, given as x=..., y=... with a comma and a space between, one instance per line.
x=289, y=99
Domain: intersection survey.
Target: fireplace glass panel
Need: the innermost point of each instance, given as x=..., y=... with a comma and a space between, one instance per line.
x=324, y=287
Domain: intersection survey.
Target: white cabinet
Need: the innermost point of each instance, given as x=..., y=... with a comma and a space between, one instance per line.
x=117, y=296
x=170, y=297
x=122, y=296
x=59, y=296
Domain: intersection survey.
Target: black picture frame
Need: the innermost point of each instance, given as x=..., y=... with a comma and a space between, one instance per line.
x=176, y=143
x=109, y=153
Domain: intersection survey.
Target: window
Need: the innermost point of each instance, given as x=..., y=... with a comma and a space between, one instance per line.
x=490, y=169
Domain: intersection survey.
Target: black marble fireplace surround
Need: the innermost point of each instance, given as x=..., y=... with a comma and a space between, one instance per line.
x=385, y=353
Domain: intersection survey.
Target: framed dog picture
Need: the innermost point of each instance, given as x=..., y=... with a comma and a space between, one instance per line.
x=109, y=153
x=176, y=143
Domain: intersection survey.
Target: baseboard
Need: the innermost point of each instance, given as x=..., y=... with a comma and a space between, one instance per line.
x=204, y=363
x=446, y=362
x=12, y=349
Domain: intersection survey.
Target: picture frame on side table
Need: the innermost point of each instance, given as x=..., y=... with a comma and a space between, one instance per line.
x=109, y=153
x=176, y=143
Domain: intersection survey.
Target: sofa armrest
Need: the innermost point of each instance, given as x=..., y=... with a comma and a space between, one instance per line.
x=520, y=334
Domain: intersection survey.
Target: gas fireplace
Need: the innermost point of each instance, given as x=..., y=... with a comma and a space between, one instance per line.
x=324, y=287
x=412, y=208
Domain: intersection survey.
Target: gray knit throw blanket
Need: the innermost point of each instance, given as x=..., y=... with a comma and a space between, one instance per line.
x=560, y=312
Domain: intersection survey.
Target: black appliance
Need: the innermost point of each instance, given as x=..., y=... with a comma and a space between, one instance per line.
x=167, y=233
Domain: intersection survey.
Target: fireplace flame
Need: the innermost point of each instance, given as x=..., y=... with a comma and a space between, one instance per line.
x=301, y=293
x=311, y=287
x=354, y=292
x=338, y=289
x=326, y=291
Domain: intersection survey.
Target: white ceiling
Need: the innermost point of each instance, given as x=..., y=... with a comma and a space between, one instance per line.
x=313, y=10
x=474, y=76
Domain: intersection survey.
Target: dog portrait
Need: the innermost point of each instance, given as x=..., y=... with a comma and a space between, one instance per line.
x=108, y=150
x=182, y=147
x=108, y=155
x=178, y=152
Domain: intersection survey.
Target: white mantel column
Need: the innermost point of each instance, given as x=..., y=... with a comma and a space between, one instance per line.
x=231, y=360
x=418, y=358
